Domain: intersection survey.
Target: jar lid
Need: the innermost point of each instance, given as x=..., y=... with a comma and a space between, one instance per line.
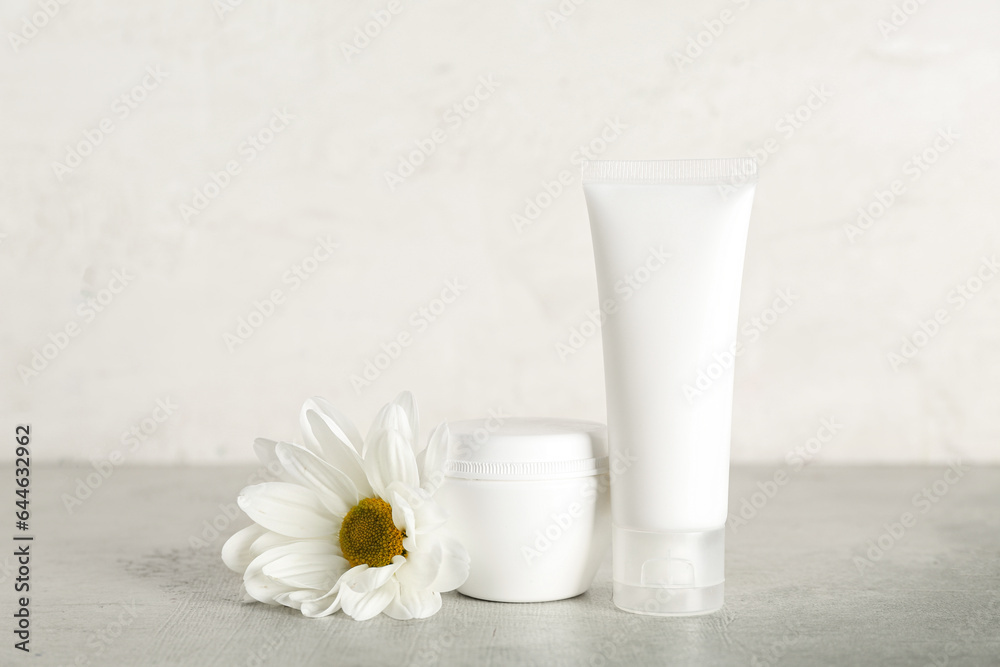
x=507, y=448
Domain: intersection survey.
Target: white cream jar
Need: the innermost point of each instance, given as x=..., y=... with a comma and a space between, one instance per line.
x=529, y=499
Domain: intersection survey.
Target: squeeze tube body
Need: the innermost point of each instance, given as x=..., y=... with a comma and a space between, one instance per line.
x=669, y=242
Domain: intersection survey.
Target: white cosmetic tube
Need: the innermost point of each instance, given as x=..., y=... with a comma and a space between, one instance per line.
x=669, y=241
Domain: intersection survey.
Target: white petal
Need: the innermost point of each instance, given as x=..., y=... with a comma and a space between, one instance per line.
x=389, y=459
x=324, y=605
x=390, y=418
x=334, y=421
x=411, y=603
x=422, y=566
x=402, y=513
x=364, y=579
x=236, y=550
x=363, y=606
x=428, y=514
x=295, y=599
x=269, y=540
x=434, y=458
x=406, y=400
x=400, y=415
x=299, y=547
x=261, y=587
x=454, y=565
x=288, y=509
x=334, y=488
x=264, y=449
x=302, y=570
x=267, y=589
x=264, y=590
x=396, y=610
x=330, y=435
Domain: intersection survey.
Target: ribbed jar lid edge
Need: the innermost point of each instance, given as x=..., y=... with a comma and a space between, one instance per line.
x=525, y=470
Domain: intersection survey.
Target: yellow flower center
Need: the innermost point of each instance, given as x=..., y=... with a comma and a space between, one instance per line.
x=368, y=535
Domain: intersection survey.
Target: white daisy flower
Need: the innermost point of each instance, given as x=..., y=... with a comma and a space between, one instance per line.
x=350, y=526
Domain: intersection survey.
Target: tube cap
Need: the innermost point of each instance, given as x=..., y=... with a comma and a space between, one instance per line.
x=668, y=573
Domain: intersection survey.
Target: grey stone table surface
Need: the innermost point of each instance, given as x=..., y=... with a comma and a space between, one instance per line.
x=821, y=570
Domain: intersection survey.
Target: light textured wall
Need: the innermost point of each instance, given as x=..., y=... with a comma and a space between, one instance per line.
x=553, y=77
